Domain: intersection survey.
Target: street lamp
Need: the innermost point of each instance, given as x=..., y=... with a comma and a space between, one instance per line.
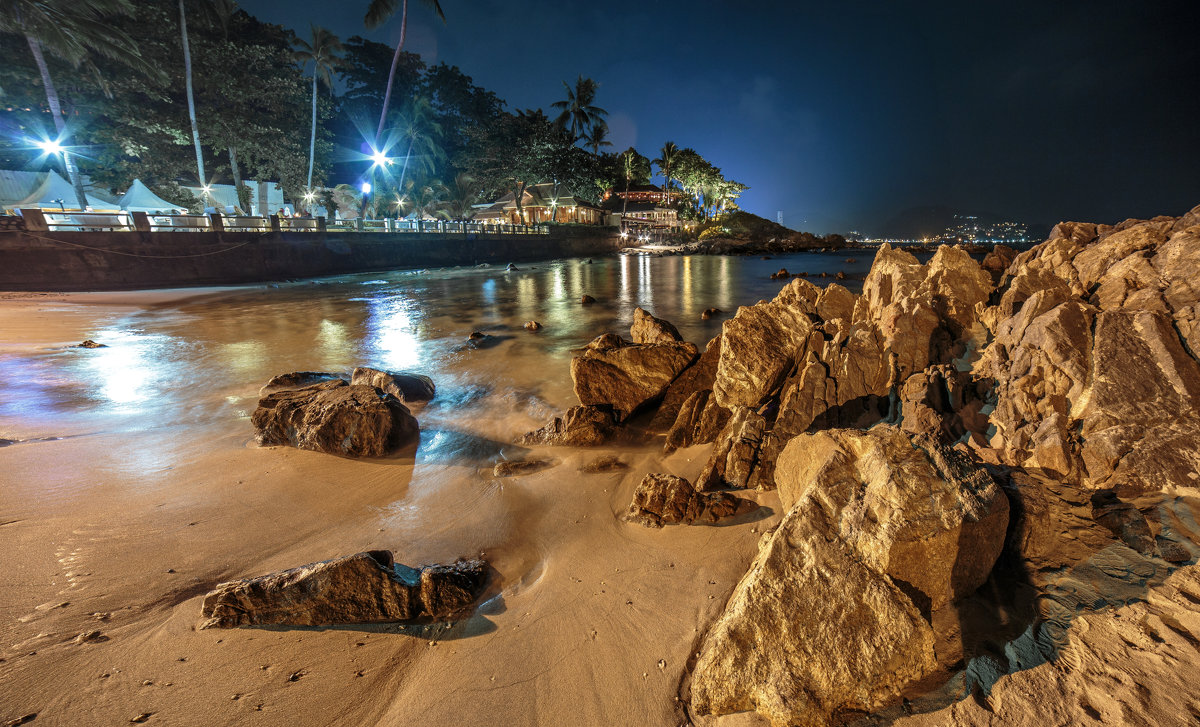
x=366, y=191
x=50, y=146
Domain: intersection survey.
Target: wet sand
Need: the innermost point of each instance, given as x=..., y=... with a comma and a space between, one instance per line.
x=134, y=487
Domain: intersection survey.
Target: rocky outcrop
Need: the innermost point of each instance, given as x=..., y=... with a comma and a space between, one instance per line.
x=362, y=588
x=580, y=426
x=516, y=468
x=648, y=329
x=627, y=376
x=336, y=418
x=695, y=378
x=835, y=612
x=1133, y=665
x=1093, y=357
x=662, y=499
x=406, y=387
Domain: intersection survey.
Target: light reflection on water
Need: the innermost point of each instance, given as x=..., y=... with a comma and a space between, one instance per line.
x=200, y=363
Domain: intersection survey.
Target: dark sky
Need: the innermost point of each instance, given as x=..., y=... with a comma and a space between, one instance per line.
x=843, y=114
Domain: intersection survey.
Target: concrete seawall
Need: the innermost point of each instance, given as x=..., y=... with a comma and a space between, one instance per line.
x=75, y=261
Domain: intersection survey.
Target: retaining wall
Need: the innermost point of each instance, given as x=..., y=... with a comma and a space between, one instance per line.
x=74, y=261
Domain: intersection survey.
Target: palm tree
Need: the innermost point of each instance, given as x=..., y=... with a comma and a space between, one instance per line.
x=322, y=52
x=597, y=138
x=460, y=198
x=71, y=30
x=579, y=114
x=187, y=76
x=420, y=128
x=378, y=13
x=421, y=198
x=666, y=156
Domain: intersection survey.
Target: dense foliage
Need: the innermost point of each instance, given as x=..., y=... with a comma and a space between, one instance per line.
x=447, y=143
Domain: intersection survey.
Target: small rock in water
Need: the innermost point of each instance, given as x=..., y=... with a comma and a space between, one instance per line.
x=709, y=313
x=533, y=326
x=524, y=467
x=587, y=300
x=841, y=275
x=91, y=344
x=783, y=273
x=512, y=267
x=851, y=260
x=477, y=336
x=607, y=463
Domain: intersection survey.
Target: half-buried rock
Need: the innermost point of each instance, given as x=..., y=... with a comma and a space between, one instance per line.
x=365, y=587
x=336, y=418
x=406, y=387
x=627, y=376
x=296, y=380
x=663, y=499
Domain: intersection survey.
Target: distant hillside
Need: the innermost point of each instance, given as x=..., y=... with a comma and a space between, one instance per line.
x=742, y=225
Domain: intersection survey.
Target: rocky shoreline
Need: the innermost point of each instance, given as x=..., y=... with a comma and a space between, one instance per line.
x=1034, y=410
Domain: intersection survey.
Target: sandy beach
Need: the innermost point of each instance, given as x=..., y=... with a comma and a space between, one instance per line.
x=116, y=526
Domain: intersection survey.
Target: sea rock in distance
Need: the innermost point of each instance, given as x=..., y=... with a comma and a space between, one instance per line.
x=648, y=329
x=407, y=387
x=365, y=587
x=580, y=426
x=297, y=380
x=662, y=499
x=626, y=377
x=336, y=418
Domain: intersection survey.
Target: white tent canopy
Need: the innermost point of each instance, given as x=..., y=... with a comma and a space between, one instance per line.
x=45, y=190
x=139, y=198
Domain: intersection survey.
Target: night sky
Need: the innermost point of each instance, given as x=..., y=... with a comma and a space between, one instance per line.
x=843, y=115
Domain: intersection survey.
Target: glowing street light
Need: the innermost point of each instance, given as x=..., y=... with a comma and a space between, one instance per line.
x=380, y=159
x=366, y=188
x=50, y=146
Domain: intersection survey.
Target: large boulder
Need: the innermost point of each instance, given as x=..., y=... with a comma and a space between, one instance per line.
x=336, y=418
x=627, y=376
x=580, y=426
x=406, y=387
x=662, y=499
x=835, y=613
x=810, y=630
x=759, y=346
x=648, y=329
x=366, y=587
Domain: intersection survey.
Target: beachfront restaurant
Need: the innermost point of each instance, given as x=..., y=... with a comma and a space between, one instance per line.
x=541, y=203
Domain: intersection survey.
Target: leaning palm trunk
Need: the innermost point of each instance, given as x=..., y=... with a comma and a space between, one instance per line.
x=387, y=94
x=312, y=142
x=404, y=169
x=187, y=70
x=59, y=124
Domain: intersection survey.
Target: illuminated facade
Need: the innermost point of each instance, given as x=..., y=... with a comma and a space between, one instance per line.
x=541, y=203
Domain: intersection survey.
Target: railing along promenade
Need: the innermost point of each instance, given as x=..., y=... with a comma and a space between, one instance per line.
x=37, y=219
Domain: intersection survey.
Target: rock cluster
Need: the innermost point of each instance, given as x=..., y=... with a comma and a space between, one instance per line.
x=663, y=499
x=362, y=588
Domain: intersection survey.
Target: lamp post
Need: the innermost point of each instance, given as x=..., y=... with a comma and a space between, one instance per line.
x=366, y=192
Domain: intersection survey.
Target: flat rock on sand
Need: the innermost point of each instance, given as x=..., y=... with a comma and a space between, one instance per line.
x=335, y=418
x=367, y=587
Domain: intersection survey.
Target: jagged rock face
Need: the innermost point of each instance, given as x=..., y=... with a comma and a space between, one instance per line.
x=836, y=303
x=1092, y=357
x=760, y=345
x=683, y=432
x=581, y=426
x=810, y=630
x=942, y=399
x=1133, y=665
x=735, y=453
x=910, y=507
x=362, y=588
x=695, y=378
x=296, y=380
x=648, y=329
x=406, y=387
x=834, y=614
x=336, y=418
x=627, y=377
x=662, y=499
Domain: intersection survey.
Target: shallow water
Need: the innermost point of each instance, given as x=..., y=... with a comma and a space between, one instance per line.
x=199, y=363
